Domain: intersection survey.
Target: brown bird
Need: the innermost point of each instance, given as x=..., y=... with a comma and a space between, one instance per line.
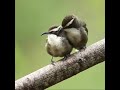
x=76, y=31
x=57, y=44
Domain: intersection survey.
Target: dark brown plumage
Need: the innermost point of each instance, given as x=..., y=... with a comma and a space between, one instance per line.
x=76, y=31
x=67, y=19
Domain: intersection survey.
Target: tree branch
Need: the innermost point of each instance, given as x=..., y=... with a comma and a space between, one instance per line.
x=61, y=70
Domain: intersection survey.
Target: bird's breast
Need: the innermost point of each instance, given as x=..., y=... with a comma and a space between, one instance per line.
x=73, y=35
x=58, y=46
x=77, y=37
x=54, y=40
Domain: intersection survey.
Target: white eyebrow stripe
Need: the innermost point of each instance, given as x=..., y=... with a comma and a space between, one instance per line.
x=69, y=22
x=56, y=29
x=59, y=26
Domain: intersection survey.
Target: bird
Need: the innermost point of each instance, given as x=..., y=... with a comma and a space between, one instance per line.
x=75, y=31
x=57, y=44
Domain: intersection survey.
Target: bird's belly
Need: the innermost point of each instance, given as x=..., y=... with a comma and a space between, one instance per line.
x=58, y=49
x=74, y=37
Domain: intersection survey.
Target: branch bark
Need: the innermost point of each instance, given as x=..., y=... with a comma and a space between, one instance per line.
x=61, y=70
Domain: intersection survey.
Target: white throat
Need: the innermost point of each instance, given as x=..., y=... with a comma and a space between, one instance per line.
x=54, y=40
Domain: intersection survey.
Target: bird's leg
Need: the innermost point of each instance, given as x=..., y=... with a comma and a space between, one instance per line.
x=52, y=62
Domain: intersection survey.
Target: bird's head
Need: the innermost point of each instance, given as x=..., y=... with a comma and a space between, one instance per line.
x=53, y=30
x=70, y=21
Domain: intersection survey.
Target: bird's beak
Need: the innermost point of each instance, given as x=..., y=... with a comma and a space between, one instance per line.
x=44, y=33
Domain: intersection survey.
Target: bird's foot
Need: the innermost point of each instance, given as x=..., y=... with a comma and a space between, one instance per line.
x=52, y=62
x=82, y=49
x=65, y=57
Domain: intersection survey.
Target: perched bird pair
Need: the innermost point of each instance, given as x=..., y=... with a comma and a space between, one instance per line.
x=72, y=33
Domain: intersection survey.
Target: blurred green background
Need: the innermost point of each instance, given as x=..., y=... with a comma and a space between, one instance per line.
x=32, y=17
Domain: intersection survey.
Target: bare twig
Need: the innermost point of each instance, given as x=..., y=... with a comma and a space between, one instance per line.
x=61, y=70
